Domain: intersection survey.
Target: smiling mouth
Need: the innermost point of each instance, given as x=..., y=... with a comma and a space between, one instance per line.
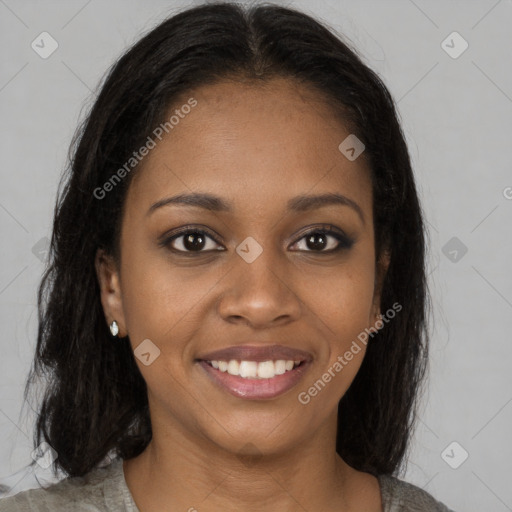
x=255, y=372
x=254, y=369
x=252, y=380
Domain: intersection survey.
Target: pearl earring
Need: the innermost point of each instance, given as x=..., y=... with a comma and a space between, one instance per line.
x=114, y=328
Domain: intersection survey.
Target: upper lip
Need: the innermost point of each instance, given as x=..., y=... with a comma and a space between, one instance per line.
x=257, y=354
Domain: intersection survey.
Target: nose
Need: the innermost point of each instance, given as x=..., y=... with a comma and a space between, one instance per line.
x=260, y=294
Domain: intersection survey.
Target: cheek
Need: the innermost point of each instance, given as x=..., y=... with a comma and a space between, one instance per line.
x=157, y=296
x=344, y=295
x=161, y=303
x=343, y=301
x=351, y=313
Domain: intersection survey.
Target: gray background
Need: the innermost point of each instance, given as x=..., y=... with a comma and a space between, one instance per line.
x=456, y=114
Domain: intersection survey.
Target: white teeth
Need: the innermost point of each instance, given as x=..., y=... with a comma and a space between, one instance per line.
x=280, y=367
x=266, y=370
x=233, y=367
x=254, y=370
x=248, y=369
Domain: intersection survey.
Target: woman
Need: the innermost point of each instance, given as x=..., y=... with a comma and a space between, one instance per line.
x=234, y=315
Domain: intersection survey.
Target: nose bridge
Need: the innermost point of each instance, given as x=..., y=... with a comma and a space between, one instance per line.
x=259, y=267
x=262, y=272
x=258, y=288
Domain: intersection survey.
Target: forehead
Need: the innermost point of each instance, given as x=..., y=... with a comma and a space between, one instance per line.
x=256, y=144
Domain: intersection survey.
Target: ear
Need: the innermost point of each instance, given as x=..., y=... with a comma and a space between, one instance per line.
x=380, y=273
x=110, y=290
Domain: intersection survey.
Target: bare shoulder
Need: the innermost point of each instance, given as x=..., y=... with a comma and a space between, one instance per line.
x=400, y=496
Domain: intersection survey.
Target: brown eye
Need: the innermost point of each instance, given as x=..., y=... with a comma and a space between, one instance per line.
x=190, y=241
x=324, y=241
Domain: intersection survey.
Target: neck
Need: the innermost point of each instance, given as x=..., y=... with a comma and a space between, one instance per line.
x=180, y=471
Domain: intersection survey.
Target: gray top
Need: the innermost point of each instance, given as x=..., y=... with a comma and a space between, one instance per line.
x=105, y=490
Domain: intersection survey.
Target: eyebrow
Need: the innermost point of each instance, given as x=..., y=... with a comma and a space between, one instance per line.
x=296, y=204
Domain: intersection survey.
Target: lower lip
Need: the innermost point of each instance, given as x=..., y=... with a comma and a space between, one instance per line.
x=255, y=389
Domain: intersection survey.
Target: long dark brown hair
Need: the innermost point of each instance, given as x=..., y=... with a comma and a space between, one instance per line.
x=94, y=401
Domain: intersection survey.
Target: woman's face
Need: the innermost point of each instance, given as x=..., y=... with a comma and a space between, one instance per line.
x=263, y=275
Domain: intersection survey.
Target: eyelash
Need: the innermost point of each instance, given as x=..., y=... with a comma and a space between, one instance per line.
x=344, y=241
